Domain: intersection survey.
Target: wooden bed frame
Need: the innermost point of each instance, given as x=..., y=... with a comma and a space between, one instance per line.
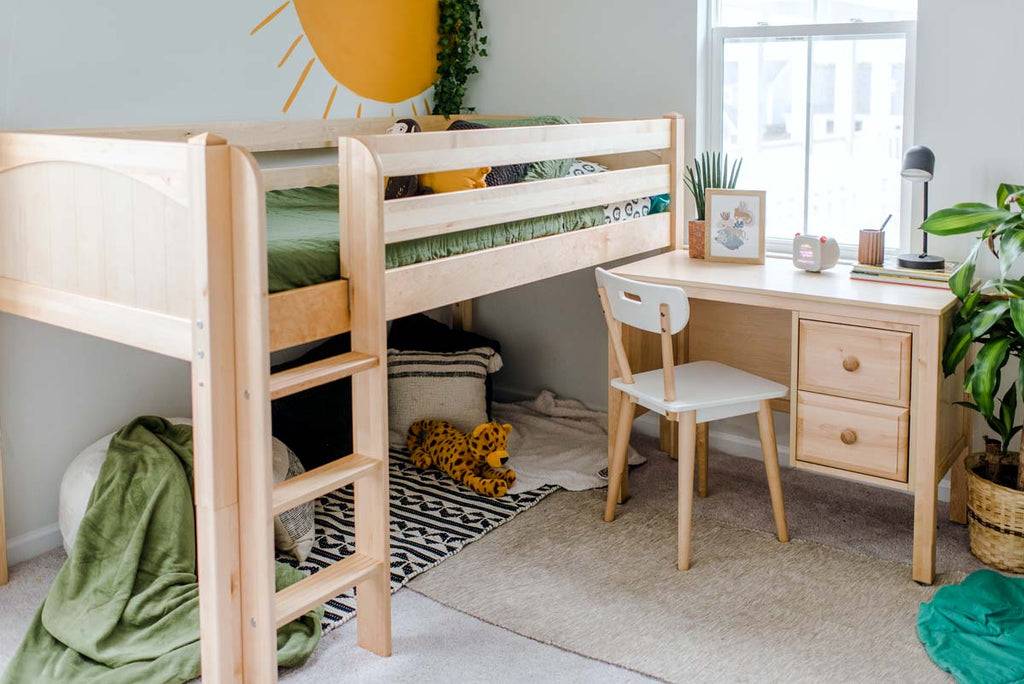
x=154, y=237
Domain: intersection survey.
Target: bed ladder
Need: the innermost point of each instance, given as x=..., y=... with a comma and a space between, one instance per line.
x=368, y=569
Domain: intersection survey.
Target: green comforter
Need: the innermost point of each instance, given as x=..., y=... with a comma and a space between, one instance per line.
x=125, y=606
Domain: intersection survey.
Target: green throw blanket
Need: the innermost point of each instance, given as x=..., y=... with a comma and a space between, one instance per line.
x=975, y=630
x=125, y=606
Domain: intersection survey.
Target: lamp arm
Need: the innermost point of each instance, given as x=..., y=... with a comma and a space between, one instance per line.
x=924, y=246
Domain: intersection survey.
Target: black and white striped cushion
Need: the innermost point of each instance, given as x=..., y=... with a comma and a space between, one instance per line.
x=441, y=386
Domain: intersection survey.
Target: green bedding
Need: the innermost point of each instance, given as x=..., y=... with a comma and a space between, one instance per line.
x=302, y=226
x=302, y=237
x=125, y=606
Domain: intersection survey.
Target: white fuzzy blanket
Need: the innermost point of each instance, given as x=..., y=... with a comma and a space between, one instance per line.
x=557, y=441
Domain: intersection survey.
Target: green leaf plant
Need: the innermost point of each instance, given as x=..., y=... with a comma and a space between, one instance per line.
x=459, y=43
x=991, y=316
x=711, y=170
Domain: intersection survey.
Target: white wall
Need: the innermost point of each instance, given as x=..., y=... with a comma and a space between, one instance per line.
x=584, y=58
x=968, y=112
x=108, y=63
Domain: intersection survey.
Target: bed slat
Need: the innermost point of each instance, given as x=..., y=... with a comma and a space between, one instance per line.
x=402, y=155
x=417, y=217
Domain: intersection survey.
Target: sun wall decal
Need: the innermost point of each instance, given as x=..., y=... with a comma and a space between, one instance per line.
x=382, y=50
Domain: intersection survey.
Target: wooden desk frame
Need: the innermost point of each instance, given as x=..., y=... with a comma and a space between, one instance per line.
x=939, y=436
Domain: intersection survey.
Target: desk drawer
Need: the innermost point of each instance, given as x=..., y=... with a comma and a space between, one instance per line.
x=855, y=362
x=852, y=435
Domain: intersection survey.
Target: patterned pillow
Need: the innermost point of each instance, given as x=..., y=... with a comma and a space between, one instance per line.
x=618, y=211
x=441, y=386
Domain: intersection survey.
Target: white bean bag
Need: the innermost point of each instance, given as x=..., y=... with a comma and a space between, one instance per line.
x=293, y=530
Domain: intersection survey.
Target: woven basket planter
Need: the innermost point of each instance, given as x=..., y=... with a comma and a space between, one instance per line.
x=996, y=520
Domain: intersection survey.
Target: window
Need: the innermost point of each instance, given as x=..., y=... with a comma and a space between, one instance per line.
x=812, y=94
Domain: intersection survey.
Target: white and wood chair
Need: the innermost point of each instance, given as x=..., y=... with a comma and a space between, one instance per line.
x=689, y=394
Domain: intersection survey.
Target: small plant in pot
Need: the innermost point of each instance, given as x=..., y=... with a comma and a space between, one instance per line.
x=711, y=170
x=991, y=315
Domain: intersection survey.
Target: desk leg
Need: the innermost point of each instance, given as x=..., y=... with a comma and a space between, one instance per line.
x=928, y=353
x=702, y=460
x=958, y=489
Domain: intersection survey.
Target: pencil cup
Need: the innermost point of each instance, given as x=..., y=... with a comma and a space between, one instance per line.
x=871, y=250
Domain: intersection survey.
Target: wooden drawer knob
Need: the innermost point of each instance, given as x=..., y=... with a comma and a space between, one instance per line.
x=848, y=436
x=850, y=363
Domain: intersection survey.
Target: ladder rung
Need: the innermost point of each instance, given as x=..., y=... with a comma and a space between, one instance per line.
x=319, y=481
x=319, y=373
x=310, y=592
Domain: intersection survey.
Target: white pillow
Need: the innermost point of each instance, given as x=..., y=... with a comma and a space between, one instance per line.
x=439, y=385
x=293, y=530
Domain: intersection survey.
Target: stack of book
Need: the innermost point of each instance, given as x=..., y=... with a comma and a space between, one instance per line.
x=892, y=272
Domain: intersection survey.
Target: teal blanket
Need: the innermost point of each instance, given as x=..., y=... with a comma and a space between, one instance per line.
x=125, y=606
x=975, y=630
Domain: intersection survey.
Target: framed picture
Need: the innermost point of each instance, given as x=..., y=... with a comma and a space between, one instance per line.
x=734, y=225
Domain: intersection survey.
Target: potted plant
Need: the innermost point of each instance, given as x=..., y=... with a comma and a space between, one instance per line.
x=991, y=315
x=712, y=170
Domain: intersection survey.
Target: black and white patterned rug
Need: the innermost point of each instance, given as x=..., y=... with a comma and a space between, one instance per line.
x=432, y=518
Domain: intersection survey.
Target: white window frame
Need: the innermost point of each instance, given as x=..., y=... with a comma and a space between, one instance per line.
x=908, y=29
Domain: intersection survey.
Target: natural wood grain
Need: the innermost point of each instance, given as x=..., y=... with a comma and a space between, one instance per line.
x=286, y=177
x=315, y=483
x=363, y=207
x=308, y=314
x=687, y=446
x=310, y=375
x=853, y=435
x=214, y=437
x=620, y=452
x=252, y=401
x=855, y=361
x=450, y=212
x=770, y=452
x=675, y=157
x=307, y=594
x=927, y=344
x=426, y=152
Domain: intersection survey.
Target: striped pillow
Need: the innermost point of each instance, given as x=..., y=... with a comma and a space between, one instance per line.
x=442, y=386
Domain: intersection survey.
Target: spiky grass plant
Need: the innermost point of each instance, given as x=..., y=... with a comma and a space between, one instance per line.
x=711, y=170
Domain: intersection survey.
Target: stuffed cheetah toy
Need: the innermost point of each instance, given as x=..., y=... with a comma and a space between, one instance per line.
x=472, y=459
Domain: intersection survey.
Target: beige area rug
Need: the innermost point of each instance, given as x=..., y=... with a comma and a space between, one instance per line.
x=749, y=610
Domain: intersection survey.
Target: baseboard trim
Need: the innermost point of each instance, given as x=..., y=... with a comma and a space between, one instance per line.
x=35, y=543
x=737, y=445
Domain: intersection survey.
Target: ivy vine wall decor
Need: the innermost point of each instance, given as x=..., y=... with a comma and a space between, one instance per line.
x=378, y=55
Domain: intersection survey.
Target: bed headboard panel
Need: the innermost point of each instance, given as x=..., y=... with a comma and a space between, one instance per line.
x=93, y=226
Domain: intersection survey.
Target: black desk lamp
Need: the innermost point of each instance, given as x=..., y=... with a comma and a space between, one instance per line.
x=919, y=167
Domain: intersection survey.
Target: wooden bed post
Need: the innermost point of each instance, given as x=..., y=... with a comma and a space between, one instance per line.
x=363, y=208
x=252, y=396
x=462, y=315
x=675, y=157
x=215, y=461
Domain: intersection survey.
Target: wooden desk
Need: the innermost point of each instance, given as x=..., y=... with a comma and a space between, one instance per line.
x=867, y=402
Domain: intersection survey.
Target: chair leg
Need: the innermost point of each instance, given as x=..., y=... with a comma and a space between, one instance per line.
x=766, y=428
x=687, y=447
x=618, y=465
x=702, y=460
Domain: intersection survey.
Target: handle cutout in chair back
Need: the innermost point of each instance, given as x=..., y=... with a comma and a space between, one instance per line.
x=638, y=304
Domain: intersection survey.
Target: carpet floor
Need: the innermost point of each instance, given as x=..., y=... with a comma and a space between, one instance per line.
x=834, y=600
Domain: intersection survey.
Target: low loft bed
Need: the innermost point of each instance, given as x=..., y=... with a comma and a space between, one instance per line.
x=155, y=237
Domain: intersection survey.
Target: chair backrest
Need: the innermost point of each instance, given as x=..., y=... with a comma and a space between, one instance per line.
x=639, y=305
x=662, y=309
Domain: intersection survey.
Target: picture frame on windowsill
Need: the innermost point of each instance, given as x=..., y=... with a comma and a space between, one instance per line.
x=734, y=226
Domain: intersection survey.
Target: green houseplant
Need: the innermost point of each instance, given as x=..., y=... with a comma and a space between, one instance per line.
x=711, y=170
x=459, y=43
x=991, y=316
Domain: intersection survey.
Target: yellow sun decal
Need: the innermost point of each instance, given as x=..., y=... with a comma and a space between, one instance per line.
x=382, y=50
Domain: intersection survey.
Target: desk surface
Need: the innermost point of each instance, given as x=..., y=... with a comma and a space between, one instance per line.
x=779, y=277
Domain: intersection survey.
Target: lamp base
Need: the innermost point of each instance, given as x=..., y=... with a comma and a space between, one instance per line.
x=921, y=262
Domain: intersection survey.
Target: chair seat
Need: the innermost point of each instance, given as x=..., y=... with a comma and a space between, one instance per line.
x=714, y=390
